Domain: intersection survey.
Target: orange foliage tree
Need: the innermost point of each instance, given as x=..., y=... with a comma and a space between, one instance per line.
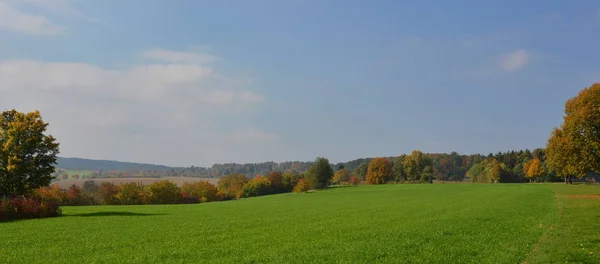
x=379, y=171
x=302, y=186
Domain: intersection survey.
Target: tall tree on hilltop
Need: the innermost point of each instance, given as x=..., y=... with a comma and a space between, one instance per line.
x=27, y=155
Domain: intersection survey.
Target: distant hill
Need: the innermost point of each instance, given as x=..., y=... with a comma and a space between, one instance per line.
x=105, y=165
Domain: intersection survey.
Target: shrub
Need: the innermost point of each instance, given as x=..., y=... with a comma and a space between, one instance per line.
x=232, y=185
x=200, y=191
x=302, y=186
x=258, y=186
x=276, y=180
x=22, y=207
x=289, y=180
x=132, y=193
x=164, y=192
x=340, y=176
x=52, y=193
x=354, y=180
x=108, y=193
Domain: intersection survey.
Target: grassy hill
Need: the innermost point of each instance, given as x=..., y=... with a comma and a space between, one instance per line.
x=440, y=223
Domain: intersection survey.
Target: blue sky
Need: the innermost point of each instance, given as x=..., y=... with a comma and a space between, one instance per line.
x=200, y=82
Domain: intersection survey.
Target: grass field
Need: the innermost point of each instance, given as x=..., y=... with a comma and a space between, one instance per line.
x=440, y=223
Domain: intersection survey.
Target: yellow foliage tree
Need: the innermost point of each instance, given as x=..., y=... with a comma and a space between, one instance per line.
x=340, y=176
x=27, y=155
x=572, y=149
x=533, y=169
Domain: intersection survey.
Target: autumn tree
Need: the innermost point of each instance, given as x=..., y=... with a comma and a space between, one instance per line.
x=319, y=174
x=562, y=155
x=276, y=179
x=341, y=176
x=379, y=171
x=108, y=192
x=573, y=149
x=133, y=193
x=289, y=180
x=27, y=155
x=533, y=169
x=200, y=191
x=231, y=185
x=164, y=192
x=259, y=185
x=414, y=165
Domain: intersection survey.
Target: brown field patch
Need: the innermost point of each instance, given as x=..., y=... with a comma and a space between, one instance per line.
x=584, y=196
x=177, y=180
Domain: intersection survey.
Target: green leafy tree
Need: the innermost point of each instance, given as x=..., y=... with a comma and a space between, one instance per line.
x=361, y=170
x=398, y=169
x=320, y=174
x=414, y=165
x=27, y=155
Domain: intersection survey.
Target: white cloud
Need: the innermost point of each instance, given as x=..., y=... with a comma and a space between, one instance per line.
x=176, y=56
x=514, y=60
x=171, y=113
x=14, y=20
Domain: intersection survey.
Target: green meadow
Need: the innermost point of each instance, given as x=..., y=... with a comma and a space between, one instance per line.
x=420, y=223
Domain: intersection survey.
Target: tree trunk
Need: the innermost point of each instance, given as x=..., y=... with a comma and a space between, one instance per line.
x=570, y=180
x=566, y=182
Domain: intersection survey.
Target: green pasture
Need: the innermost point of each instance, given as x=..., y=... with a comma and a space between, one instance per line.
x=420, y=223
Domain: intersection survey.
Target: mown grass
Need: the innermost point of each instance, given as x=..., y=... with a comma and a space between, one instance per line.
x=440, y=223
x=576, y=237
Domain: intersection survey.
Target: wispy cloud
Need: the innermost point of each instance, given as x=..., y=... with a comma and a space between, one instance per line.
x=15, y=20
x=178, y=56
x=514, y=60
x=13, y=16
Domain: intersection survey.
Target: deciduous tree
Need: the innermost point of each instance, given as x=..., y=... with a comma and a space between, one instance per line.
x=27, y=154
x=341, y=176
x=320, y=173
x=574, y=148
x=231, y=185
x=379, y=171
